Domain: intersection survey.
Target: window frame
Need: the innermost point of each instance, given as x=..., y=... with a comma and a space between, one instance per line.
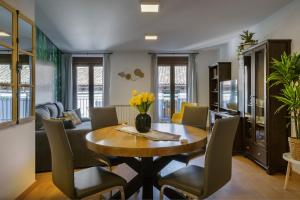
x=14, y=47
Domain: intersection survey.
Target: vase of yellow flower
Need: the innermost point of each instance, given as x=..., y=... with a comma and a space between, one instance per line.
x=142, y=101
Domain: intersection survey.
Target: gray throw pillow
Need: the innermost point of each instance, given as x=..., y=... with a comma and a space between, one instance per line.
x=53, y=110
x=41, y=113
x=60, y=108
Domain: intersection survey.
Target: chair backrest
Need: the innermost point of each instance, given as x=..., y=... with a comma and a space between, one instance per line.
x=62, y=157
x=185, y=104
x=103, y=117
x=218, y=158
x=195, y=116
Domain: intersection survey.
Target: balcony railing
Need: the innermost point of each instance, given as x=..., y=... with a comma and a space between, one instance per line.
x=83, y=102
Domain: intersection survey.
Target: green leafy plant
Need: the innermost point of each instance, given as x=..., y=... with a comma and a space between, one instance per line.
x=286, y=72
x=247, y=38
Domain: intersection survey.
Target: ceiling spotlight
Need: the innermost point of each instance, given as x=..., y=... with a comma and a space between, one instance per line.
x=151, y=37
x=4, y=34
x=150, y=6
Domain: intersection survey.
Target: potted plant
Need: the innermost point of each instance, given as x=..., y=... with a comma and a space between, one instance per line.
x=142, y=101
x=286, y=72
x=247, y=41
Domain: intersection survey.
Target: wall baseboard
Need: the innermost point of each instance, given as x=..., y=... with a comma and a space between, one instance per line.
x=27, y=191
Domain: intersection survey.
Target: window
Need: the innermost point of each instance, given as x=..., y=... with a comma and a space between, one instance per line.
x=88, y=83
x=172, y=85
x=16, y=66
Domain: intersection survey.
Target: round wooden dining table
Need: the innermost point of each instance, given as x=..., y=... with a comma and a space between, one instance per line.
x=139, y=152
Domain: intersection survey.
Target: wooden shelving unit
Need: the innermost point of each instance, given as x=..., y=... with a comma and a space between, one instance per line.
x=221, y=71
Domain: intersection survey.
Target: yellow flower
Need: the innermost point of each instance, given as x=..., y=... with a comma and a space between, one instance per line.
x=131, y=102
x=145, y=99
x=141, y=100
x=134, y=92
x=138, y=101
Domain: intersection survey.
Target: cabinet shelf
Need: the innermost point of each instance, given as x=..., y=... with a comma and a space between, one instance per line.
x=221, y=71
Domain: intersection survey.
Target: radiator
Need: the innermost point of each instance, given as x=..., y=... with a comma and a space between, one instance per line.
x=126, y=113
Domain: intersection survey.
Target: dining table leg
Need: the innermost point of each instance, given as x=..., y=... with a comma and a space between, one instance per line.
x=147, y=176
x=148, y=171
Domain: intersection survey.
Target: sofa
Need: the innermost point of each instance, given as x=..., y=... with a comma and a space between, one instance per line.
x=83, y=157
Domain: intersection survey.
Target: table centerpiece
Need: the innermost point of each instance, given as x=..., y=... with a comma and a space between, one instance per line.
x=142, y=101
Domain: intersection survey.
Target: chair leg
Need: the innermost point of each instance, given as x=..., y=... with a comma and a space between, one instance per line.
x=287, y=176
x=122, y=193
x=188, y=195
x=110, y=169
x=161, y=194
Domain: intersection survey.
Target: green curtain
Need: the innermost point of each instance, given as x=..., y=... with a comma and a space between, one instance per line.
x=46, y=51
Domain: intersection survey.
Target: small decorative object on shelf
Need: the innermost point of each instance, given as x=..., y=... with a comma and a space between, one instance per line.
x=246, y=41
x=286, y=72
x=142, y=101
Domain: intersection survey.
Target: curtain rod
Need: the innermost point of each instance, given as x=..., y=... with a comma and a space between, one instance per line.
x=173, y=53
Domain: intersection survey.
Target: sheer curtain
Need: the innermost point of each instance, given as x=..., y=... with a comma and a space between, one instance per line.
x=66, y=81
x=154, y=86
x=106, y=65
x=192, y=79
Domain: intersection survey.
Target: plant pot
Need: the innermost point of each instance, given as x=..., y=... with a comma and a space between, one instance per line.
x=143, y=123
x=248, y=45
x=294, y=144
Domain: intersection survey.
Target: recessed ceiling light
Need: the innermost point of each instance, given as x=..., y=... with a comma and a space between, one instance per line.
x=151, y=37
x=150, y=6
x=4, y=34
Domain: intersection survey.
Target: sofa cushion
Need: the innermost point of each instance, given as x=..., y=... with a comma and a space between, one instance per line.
x=41, y=112
x=72, y=115
x=53, y=110
x=60, y=108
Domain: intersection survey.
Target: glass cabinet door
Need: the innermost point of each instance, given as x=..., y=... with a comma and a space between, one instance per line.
x=248, y=97
x=260, y=84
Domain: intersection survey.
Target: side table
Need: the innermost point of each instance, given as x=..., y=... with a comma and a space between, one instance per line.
x=290, y=160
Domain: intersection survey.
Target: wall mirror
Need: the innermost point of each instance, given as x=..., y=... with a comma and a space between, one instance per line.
x=6, y=26
x=25, y=35
x=6, y=103
x=25, y=85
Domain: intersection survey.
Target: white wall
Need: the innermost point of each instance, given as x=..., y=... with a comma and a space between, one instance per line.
x=204, y=59
x=17, y=144
x=120, y=88
x=45, y=87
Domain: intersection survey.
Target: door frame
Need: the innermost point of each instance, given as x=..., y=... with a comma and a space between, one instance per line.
x=173, y=61
x=89, y=62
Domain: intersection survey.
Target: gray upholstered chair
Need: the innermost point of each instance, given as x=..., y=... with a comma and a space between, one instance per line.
x=195, y=116
x=79, y=184
x=101, y=118
x=199, y=182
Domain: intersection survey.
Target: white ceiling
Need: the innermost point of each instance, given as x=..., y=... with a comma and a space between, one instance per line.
x=99, y=25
